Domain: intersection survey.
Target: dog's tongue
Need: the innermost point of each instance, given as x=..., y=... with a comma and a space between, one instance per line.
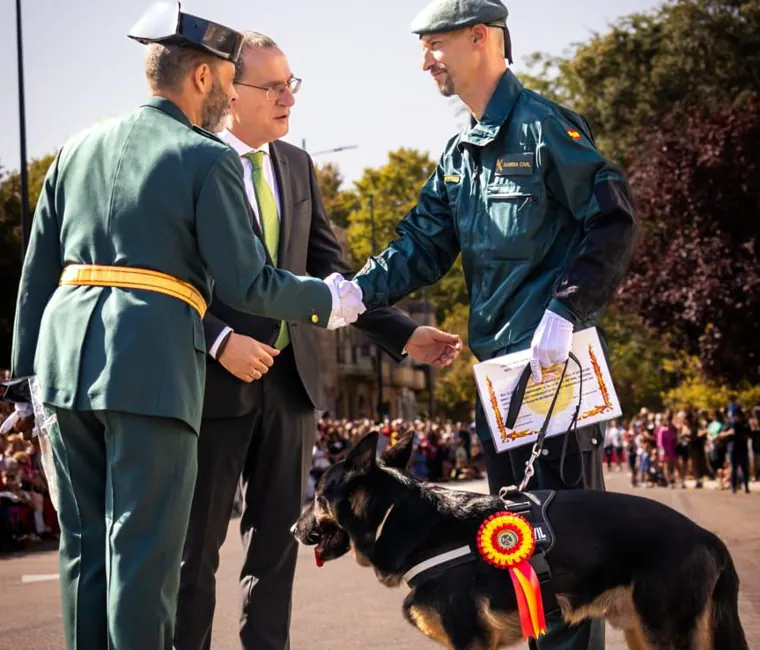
x=318, y=558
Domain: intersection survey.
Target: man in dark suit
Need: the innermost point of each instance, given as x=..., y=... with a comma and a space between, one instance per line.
x=265, y=429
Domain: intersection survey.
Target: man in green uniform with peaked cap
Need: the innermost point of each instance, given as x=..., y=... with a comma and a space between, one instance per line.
x=136, y=218
x=545, y=226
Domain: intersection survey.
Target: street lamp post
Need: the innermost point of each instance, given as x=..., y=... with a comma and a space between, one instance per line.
x=336, y=150
x=26, y=224
x=333, y=150
x=378, y=351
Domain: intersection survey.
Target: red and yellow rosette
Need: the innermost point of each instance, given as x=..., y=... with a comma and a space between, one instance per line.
x=506, y=541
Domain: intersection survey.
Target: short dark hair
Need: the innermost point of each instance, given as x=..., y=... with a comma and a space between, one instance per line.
x=166, y=66
x=251, y=41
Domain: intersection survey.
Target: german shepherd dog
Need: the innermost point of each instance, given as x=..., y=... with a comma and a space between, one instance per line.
x=669, y=584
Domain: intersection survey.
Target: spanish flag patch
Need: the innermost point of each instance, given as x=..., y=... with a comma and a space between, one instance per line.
x=575, y=135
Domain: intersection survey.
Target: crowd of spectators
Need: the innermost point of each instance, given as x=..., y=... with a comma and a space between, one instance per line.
x=443, y=451
x=671, y=448
x=26, y=511
x=657, y=449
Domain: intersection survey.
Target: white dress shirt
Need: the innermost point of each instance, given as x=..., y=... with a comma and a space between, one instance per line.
x=242, y=148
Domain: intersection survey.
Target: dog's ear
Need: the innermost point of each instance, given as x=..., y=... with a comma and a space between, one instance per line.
x=399, y=455
x=362, y=457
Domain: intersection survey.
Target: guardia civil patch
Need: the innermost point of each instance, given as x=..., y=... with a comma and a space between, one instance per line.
x=515, y=164
x=575, y=135
x=452, y=178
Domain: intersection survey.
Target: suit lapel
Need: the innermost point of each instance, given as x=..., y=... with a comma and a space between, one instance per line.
x=282, y=174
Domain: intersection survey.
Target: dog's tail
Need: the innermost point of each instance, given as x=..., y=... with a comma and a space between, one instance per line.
x=727, y=631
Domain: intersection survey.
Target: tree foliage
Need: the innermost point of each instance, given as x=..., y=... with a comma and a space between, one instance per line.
x=10, y=243
x=638, y=359
x=672, y=96
x=701, y=392
x=685, y=54
x=395, y=187
x=697, y=275
x=339, y=204
x=455, y=389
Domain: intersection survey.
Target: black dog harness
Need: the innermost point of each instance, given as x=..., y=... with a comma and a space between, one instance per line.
x=530, y=505
x=533, y=507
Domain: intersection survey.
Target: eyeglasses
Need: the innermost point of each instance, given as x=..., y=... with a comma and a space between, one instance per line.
x=275, y=90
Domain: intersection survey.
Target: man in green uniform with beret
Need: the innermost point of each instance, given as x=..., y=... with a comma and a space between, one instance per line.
x=545, y=226
x=137, y=217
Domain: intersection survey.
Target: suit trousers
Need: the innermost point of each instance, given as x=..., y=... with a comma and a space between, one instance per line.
x=270, y=450
x=125, y=484
x=508, y=468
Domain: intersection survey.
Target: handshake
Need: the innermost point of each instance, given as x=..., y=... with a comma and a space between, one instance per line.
x=347, y=303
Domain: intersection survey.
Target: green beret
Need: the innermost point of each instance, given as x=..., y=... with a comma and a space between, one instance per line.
x=448, y=15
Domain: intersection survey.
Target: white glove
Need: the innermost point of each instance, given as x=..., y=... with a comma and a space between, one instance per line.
x=21, y=411
x=551, y=343
x=347, y=303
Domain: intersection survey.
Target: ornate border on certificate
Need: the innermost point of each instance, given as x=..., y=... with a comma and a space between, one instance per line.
x=495, y=406
x=607, y=406
x=505, y=435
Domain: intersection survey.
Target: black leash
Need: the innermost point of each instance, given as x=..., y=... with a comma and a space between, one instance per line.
x=515, y=405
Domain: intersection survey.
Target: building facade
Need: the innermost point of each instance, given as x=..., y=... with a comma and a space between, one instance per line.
x=349, y=366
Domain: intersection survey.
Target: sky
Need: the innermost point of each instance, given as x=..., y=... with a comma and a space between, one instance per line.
x=363, y=83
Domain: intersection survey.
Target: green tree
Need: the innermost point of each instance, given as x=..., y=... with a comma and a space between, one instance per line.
x=455, y=389
x=338, y=203
x=672, y=95
x=449, y=292
x=10, y=243
x=686, y=54
x=639, y=361
x=395, y=187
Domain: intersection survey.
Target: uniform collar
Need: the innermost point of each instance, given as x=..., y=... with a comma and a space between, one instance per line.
x=168, y=107
x=497, y=111
x=239, y=146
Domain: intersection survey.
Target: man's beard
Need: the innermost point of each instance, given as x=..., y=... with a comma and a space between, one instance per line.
x=215, y=108
x=445, y=84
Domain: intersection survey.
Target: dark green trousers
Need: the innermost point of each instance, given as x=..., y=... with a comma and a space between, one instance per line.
x=125, y=485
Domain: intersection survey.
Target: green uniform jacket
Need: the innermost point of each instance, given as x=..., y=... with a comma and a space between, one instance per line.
x=541, y=219
x=149, y=191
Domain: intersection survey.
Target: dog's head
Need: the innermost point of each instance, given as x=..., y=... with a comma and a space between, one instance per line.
x=345, y=504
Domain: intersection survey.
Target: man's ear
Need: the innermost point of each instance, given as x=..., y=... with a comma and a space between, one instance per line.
x=362, y=457
x=203, y=77
x=399, y=455
x=479, y=34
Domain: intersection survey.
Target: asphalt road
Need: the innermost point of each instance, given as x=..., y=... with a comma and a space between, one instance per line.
x=341, y=606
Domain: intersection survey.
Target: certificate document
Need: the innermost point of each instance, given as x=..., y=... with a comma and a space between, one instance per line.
x=497, y=379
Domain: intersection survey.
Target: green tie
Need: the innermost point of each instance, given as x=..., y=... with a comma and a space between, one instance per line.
x=270, y=222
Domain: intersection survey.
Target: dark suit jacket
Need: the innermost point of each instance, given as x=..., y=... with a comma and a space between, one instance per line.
x=307, y=245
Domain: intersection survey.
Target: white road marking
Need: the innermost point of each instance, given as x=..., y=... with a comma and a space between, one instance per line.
x=42, y=577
